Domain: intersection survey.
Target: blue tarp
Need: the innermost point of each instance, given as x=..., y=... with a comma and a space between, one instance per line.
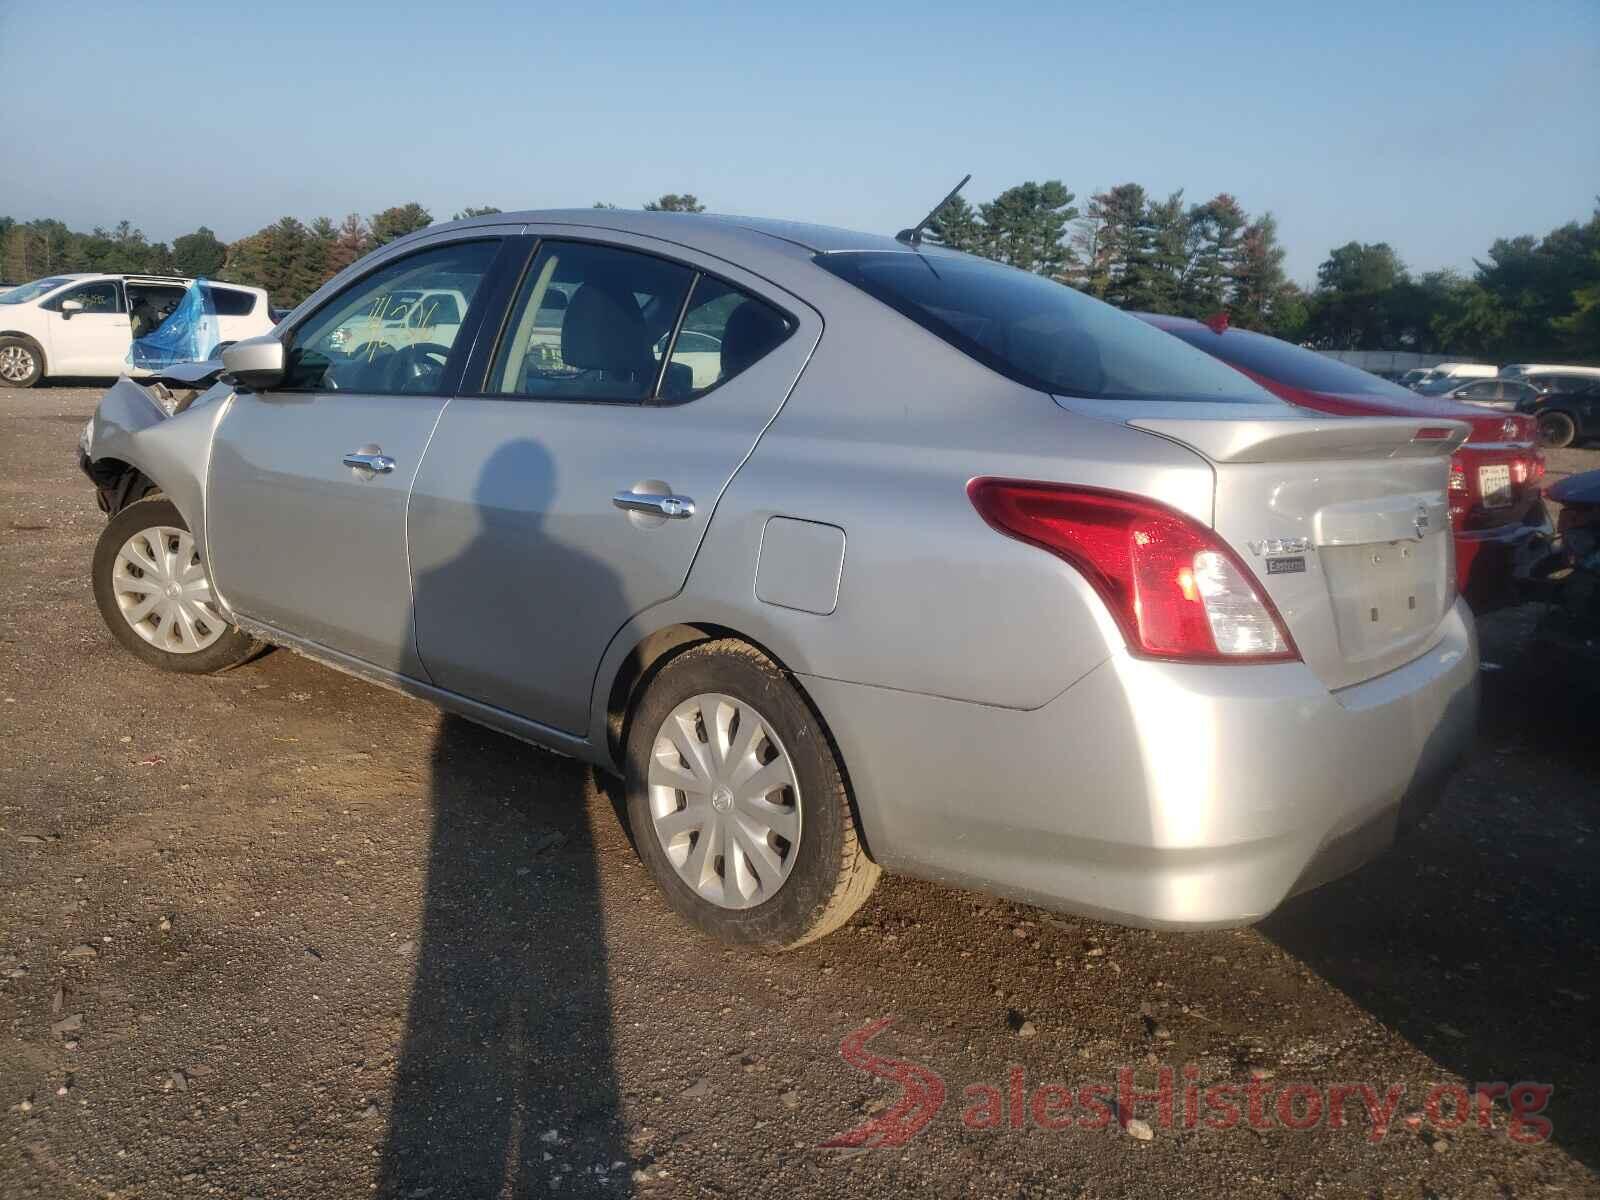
x=190, y=334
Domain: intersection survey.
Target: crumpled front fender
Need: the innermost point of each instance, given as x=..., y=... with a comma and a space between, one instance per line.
x=174, y=452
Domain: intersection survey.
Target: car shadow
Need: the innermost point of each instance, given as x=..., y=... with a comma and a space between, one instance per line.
x=505, y=1083
x=1478, y=937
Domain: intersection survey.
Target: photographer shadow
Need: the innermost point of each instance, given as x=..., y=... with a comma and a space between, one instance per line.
x=505, y=1084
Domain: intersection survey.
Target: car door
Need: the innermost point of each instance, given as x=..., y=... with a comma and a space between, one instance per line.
x=570, y=487
x=93, y=340
x=308, y=483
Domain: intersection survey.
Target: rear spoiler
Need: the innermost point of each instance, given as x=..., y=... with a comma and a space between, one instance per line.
x=1249, y=440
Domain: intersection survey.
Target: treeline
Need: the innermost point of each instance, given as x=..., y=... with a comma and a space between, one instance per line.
x=1531, y=298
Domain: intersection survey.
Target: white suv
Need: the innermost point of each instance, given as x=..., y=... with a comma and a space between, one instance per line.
x=84, y=324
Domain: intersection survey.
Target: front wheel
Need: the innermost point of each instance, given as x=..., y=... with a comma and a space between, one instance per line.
x=155, y=596
x=738, y=804
x=1556, y=430
x=21, y=364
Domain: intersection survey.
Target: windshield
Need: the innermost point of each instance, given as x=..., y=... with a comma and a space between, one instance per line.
x=1288, y=364
x=1038, y=332
x=32, y=291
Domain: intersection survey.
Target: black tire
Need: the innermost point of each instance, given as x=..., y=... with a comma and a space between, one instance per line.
x=1557, y=430
x=22, y=350
x=229, y=650
x=831, y=876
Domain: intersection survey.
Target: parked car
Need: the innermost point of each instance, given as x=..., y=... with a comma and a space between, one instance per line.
x=1502, y=394
x=1566, y=407
x=1446, y=375
x=1412, y=377
x=1496, y=507
x=1568, y=631
x=1531, y=370
x=949, y=570
x=83, y=325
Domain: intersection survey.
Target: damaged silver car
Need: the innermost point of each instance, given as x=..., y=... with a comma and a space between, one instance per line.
x=848, y=553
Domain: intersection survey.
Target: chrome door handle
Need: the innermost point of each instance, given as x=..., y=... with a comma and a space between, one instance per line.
x=676, y=507
x=379, y=464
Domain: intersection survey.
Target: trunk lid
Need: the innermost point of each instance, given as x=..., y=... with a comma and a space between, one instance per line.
x=1497, y=471
x=1345, y=523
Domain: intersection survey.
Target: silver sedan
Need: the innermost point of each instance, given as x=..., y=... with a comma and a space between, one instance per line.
x=849, y=554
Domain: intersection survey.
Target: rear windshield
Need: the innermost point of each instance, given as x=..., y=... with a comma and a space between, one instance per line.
x=1038, y=332
x=1283, y=362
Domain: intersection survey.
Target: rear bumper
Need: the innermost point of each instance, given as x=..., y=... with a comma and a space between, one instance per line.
x=1157, y=794
x=1491, y=564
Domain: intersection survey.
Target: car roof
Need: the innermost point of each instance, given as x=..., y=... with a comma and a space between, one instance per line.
x=714, y=233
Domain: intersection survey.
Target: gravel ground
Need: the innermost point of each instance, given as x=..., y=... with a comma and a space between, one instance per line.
x=279, y=933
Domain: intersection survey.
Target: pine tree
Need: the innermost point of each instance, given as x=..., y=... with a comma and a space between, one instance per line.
x=672, y=202
x=1026, y=226
x=396, y=222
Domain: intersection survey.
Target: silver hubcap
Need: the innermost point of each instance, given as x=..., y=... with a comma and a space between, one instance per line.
x=724, y=801
x=163, y=592
x=16, y=363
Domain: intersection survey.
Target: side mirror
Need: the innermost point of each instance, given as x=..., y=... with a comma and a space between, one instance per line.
x=68, y=307
x=256, y=363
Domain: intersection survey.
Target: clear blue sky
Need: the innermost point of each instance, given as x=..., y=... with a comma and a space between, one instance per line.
x=1433, y=126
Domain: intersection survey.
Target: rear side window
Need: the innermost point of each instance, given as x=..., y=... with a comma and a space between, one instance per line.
x=602, y=340
x=1288, y=364
x=724, y=331
x=1038, y=332
x=231, y=302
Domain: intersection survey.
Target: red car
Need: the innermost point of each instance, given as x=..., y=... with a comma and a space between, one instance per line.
x=1496, y=505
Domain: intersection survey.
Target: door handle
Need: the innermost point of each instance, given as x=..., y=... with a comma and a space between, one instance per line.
x=378, y=464
x=676, y=507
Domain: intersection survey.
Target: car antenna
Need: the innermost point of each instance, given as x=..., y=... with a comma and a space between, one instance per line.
x=913, y=236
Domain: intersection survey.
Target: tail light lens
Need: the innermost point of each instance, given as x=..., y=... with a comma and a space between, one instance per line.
x=1458, y=476
x=1176, y=590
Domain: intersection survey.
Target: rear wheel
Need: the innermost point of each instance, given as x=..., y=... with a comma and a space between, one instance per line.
x=21, y=362
x=1556, y=430
x=737, y=802
x=155, y=595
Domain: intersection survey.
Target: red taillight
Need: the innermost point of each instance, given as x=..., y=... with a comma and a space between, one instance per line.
x=1458, y=475
x=1176, y=590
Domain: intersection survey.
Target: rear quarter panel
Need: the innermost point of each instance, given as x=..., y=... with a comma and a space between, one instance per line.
x=880, y=438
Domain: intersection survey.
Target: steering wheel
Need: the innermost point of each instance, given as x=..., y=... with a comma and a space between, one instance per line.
x=415, y=369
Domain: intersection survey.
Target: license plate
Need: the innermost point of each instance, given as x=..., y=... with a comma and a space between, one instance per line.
x=1494, y=485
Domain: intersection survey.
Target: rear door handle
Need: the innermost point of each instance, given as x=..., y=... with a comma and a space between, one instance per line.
x=676, y=507
x=378, y=464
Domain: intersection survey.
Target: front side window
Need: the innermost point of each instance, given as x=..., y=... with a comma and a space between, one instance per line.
x=1040, y=333
x=391, y=333
x=32, y=291
x=590, y=323
x=101, y=298
x=724, y=331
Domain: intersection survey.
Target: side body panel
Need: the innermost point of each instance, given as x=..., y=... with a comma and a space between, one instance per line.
x=524, y=568
x=303, y=542
x=173, y=452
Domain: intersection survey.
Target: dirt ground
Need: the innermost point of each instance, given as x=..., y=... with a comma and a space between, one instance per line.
x=279, y=933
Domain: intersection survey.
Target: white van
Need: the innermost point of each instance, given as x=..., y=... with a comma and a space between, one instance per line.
x=1446, y=375
x=84, y=324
